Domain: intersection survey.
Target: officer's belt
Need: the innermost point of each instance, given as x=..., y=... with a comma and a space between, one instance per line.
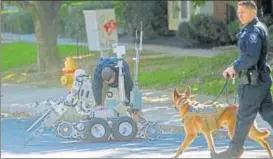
x=249, y=76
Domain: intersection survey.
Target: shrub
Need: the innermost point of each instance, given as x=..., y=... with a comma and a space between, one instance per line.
x=267, y=19
x=72, y=24
x=187, y=34
x=270, y=30
x=204, y=30
x=20, y=22
x=71, y=19
x=119, y=11
x=270, y=43
x=153, y=14
x=233, y=29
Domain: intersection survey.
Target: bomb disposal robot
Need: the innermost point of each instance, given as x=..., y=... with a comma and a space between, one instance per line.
x=97, y=125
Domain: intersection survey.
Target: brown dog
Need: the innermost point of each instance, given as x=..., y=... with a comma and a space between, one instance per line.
x=195, y=122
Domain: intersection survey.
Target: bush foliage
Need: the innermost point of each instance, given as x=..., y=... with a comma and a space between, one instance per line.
x=267, y=19
x=153, y=15
x=18, y=22
x=270, y=29
x=233, y=29
x=203, y=30
x=71, y=19
x=72, y=24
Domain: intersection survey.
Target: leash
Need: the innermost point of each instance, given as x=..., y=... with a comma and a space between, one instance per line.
x=225, y=87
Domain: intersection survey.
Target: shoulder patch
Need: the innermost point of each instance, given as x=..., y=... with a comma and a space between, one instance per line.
x=253, y=38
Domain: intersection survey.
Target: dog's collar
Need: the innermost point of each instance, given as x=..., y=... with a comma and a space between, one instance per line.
x=198, y=109
x=204, y=109
x=192, y=109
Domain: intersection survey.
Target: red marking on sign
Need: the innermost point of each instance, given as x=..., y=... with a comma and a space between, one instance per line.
x=110, y=26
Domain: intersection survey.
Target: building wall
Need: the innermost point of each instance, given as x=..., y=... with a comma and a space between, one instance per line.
x=219, y=8
x=173, y=20
x=216, y=8
x=207, y=9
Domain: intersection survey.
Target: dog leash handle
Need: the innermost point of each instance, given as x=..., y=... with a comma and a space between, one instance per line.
x=233, y=80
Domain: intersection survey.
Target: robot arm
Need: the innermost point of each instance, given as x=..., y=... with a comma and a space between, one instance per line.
x=120, y=51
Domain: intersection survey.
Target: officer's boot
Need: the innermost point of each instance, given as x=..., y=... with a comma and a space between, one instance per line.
x=228, y=154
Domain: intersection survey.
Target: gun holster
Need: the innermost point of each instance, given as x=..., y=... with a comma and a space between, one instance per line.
x=250, y=77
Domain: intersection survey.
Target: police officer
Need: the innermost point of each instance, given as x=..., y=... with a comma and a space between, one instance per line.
x=105, y=75
x=255, y=79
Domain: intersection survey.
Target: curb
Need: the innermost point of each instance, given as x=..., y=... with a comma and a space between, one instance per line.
x=19, y=110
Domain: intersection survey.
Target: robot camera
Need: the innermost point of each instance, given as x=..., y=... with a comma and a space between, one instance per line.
x=119, y=50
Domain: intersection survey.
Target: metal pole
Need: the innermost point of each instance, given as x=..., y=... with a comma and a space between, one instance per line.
x=137, y=55
x=121, y=75
x=136, y=62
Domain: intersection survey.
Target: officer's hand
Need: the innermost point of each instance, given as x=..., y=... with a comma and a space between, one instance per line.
x=99, y=107
x=225, y=74
x=229, y=73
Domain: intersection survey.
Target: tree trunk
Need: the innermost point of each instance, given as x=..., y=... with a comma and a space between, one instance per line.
x=46, y=30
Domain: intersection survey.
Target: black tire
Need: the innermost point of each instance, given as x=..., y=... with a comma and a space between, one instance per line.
x=103, y=124
x=117, y=135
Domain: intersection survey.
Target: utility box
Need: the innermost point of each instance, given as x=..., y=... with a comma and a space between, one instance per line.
x=101, y=29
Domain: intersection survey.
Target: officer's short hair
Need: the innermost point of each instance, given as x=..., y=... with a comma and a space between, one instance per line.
x=248, y=4
x=107, y=73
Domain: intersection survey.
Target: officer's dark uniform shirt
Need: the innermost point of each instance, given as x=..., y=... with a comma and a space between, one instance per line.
x=97, y=82
x=250, y=44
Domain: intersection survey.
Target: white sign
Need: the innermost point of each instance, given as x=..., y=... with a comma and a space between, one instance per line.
x=101, y=28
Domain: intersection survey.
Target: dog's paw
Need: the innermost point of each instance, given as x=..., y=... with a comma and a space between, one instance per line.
x=176, y=156
x=213, y=155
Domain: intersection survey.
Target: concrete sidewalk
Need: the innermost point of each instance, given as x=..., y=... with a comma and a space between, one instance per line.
x=151, y=48
x=19, y=98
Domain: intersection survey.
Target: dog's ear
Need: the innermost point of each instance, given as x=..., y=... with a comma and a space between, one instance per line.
x=176, y=94
x=187, y=92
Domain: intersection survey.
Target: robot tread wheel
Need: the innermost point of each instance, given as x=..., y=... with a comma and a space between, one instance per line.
x=124, y=129
x=97, y=130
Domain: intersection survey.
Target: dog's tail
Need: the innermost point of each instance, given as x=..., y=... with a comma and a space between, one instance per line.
x=259, y=133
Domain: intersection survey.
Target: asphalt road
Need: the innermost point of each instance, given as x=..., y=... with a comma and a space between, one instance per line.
x=13, y=133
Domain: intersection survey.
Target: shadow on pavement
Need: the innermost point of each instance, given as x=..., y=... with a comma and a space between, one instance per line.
x=13, y=133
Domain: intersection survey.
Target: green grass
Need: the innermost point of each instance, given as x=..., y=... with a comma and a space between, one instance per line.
x=156, y=71
x=23, y=54
x=202, y=74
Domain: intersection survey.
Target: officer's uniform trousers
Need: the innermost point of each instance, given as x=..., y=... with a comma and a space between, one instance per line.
x=252, y=99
